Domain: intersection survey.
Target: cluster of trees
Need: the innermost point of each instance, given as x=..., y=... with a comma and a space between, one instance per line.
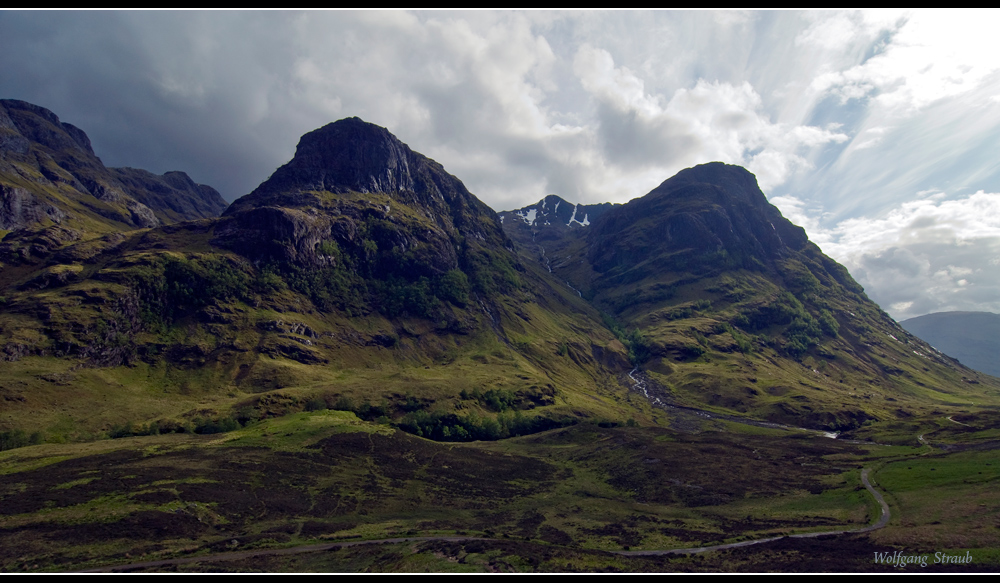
x=743, y=343
x=497, y=400
x=408, y=280
x=803, y=329
x=637, y=345
x=18, y=438
x=449, y=426
x=173, y=287
x=689, y=311
x=473, y=427
x=201, y=425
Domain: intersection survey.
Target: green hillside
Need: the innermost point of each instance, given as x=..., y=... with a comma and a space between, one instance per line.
x=359, y=352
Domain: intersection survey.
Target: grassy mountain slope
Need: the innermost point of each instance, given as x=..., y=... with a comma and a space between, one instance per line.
x=728, y=306
x=316, y=288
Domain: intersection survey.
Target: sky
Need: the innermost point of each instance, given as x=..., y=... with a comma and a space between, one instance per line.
x=877, y=131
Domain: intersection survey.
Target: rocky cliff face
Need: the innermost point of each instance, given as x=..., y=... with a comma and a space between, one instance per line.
x=20, y=208
x=712, y=209
x=352, y=156
x=55, y=162
x=354, y=195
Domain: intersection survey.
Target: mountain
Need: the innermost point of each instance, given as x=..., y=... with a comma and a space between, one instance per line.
x=358, y=256
x=549, y=229
x=971, y=337
x=173, y=196
x=553, y=215
x=50, y=177
x=727, y=304
x=370, y=196
x=662, y=374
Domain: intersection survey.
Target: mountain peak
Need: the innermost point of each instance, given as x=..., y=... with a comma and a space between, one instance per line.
x=353, y=155
x=353, y=174
x=556, y=212
x=349, y=155
x=49, y=174
x=735, y=182
x=38, y=124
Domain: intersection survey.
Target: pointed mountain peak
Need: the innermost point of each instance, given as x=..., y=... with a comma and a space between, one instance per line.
x=353, y=173
x=555, y=211
x=349, y=155
x=352, y=155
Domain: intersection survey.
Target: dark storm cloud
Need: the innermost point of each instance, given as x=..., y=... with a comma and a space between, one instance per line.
x=146, y=89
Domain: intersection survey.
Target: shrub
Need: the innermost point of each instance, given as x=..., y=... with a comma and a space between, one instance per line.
x=18, y=438
x=454, y=287
x=316, y=404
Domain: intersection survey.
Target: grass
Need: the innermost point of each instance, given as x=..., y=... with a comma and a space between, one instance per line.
x=343, y=478
x=944, y=500
x=557, y=497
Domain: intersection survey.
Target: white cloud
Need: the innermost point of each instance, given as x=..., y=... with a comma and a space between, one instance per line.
x=924, y=256
x=711, y=121
x=842, y=116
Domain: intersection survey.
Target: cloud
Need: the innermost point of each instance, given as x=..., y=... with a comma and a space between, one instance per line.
x=924, y=256
x=516, y=104
x=842, y=115
x=711, y=121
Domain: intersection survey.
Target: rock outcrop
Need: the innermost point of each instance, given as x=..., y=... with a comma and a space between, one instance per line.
x=354, y=190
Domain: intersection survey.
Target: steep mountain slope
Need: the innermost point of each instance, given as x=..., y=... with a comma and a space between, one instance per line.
x=173, y=196
x=360, y=272
x=728, y=305
x=971, y=337
x=368, y=197
x=50, y=176
x=552, y=230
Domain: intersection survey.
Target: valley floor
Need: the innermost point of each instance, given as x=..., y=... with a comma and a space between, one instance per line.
x=582, y=498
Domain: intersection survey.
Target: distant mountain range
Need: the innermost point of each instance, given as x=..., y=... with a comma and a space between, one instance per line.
x=971, y=337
